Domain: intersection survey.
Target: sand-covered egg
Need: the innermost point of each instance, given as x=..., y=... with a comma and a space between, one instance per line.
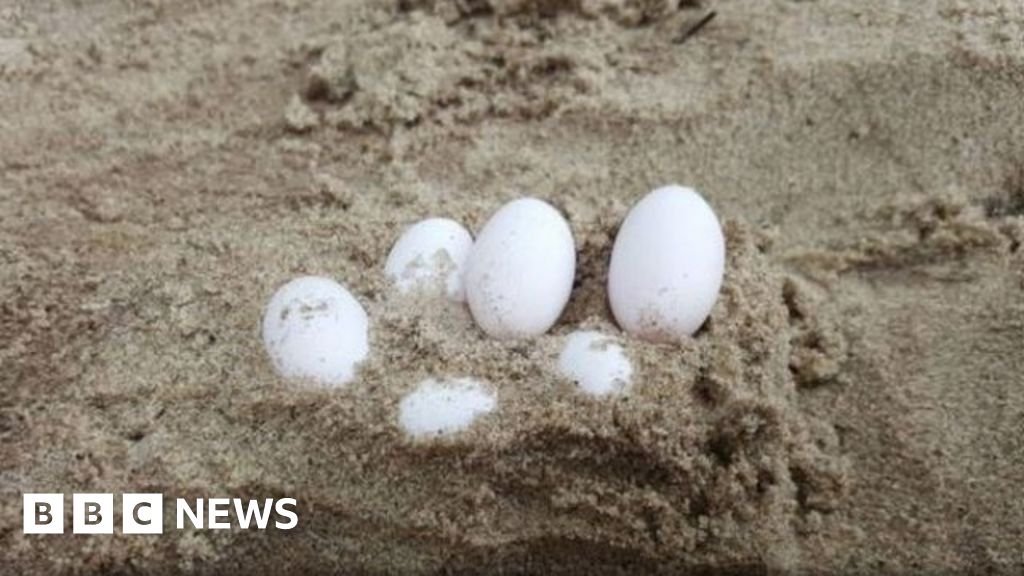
x=437, y=408
x=595, y=362
x=520, y=271
x=431, y=253
x=314, y=330
x=667, y=265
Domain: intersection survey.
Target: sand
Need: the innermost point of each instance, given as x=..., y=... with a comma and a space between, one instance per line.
x=854, y=405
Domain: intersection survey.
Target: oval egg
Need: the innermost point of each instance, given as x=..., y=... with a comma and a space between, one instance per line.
x=520, y=271
x=314, y=330
x=431, y=253
x=667, y=265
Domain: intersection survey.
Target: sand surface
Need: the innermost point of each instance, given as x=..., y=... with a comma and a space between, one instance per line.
x=854, y=405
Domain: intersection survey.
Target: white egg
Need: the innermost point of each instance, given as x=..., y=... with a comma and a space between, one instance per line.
x=430, y=254
x=595, y=362
x=444, y=407
x=314, y=330
x=520, y=271
x=667, y=265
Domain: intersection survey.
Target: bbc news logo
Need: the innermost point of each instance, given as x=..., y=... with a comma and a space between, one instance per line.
x=143, y=513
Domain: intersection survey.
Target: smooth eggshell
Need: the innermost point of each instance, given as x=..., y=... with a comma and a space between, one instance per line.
x=595, y=362
x=520, y=271
x=440, y=408
x=314, y=330
x=429, y=254
x=667, y=265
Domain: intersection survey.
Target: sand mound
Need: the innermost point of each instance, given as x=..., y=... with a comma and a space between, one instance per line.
x=710, y=450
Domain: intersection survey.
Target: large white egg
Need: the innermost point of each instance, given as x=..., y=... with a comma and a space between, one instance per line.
x=431, y=253
x=314, y=330
x=595, y=362
x=520, y=271
x=444, y=407
x=667, y=265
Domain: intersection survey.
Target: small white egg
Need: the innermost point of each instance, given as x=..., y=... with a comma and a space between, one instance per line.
x=596, y=363
x=667, y=265
x=444, y=407
x=430, y=253
x=520, y=271
x=315, y=330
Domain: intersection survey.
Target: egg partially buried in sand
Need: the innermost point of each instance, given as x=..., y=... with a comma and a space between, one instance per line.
x=430, y=253
x=315, y=330
x=520, y=270
x=596, y=363
x=667, y=265
x=439, y=408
